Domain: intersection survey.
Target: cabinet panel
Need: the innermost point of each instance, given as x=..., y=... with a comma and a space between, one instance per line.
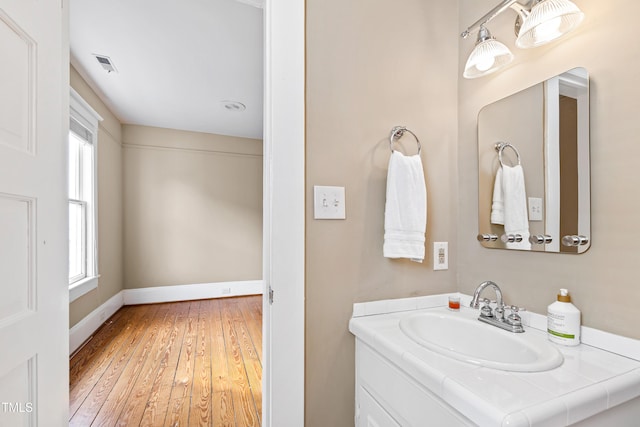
x=371, y=414
x=402, y=398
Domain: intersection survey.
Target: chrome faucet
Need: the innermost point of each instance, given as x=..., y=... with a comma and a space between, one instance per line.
x=495, y=317
x=481, y=287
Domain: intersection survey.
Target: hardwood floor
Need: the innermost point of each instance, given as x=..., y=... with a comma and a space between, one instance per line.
x=192, y=363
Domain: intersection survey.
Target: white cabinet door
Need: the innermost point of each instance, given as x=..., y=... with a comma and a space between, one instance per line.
x=34, y=325
x=407, y=402
x=371, y=414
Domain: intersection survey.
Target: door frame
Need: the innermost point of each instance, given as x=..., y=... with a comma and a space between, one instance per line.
x=284, y=213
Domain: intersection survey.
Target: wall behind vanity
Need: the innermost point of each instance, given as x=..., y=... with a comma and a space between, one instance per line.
x=371, y=66
x=603, y=281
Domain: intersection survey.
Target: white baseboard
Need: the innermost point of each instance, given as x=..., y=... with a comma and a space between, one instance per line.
x=192, y=292
x=82, y=330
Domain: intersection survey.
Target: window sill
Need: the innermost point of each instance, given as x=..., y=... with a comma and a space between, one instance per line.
x=82, y=287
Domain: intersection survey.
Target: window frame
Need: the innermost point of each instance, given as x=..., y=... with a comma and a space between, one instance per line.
x=83, y=270
x=84, y=115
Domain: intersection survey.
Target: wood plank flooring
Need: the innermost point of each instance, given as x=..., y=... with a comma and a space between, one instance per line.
x=192, y=363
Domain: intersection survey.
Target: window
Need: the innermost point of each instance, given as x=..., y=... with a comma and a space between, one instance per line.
x=83, y=252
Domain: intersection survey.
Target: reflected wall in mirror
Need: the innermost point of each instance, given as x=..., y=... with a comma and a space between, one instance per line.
x=533, y=165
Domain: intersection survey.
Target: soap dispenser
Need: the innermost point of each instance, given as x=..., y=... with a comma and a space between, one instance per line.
x=563, y=320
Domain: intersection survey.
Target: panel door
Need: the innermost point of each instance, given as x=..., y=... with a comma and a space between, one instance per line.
x=371, y=414
x=33, y=213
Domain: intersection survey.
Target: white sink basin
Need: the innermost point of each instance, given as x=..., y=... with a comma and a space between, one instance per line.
x=462, y=336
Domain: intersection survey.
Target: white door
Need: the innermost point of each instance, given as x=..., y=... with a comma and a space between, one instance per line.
x=33, y=213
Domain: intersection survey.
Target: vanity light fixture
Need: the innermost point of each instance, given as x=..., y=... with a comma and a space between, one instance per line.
x=488, y=55
x=548, y=20
x=538, y=22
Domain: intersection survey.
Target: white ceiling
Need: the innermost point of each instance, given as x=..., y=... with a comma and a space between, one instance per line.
x=177, y=61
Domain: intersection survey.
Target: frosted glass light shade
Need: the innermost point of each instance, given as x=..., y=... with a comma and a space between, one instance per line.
x=488, y=56
x=547, y=21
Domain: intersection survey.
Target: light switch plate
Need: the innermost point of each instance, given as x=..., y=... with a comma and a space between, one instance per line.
x=328, y=202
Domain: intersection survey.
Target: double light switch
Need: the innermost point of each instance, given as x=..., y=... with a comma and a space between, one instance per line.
x=328, y=202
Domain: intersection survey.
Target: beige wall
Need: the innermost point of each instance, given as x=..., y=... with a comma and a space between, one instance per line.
x=371, y=66
x=110, y=228
x=604, y=280
x=193, y=207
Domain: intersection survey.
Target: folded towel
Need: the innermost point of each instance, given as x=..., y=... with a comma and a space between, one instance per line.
x=497, y=207
x=405, y=214
x=516, y=219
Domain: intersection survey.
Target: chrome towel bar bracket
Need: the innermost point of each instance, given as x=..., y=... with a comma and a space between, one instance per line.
x=397, y=132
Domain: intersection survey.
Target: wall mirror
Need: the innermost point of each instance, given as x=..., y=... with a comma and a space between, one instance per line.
x=533, y=165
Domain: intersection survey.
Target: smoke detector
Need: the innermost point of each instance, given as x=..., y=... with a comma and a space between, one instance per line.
x=106, y=63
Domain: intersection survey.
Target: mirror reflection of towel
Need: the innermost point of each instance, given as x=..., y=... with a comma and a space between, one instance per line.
x=516, y=218
x=405, y=213
x=497, y=207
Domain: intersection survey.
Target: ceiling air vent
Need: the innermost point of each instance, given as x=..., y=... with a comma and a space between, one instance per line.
x=106, y=63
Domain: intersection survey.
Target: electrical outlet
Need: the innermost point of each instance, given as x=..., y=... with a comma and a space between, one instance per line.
x=535, y=209
x=440, y=255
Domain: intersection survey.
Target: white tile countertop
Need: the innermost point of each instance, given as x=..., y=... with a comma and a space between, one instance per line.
x=599, y=374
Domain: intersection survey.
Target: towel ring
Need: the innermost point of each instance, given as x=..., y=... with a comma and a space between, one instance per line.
x=397, y=132
x=500, y=146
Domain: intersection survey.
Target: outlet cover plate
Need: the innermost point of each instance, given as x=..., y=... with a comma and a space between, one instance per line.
x=440, y=255
x=535, y=209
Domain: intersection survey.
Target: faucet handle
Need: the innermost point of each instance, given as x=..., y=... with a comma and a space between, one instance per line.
x=485, y=310
x=514, y=318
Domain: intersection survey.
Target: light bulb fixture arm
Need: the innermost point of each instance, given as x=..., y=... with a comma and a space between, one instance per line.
x=517, y=5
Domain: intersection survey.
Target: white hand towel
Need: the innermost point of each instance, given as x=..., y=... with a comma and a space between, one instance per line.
x=516, y=219
x=405, y=214
x=497, y=207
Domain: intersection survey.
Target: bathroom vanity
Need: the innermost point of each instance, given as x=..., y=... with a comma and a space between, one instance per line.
x=401, y=381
